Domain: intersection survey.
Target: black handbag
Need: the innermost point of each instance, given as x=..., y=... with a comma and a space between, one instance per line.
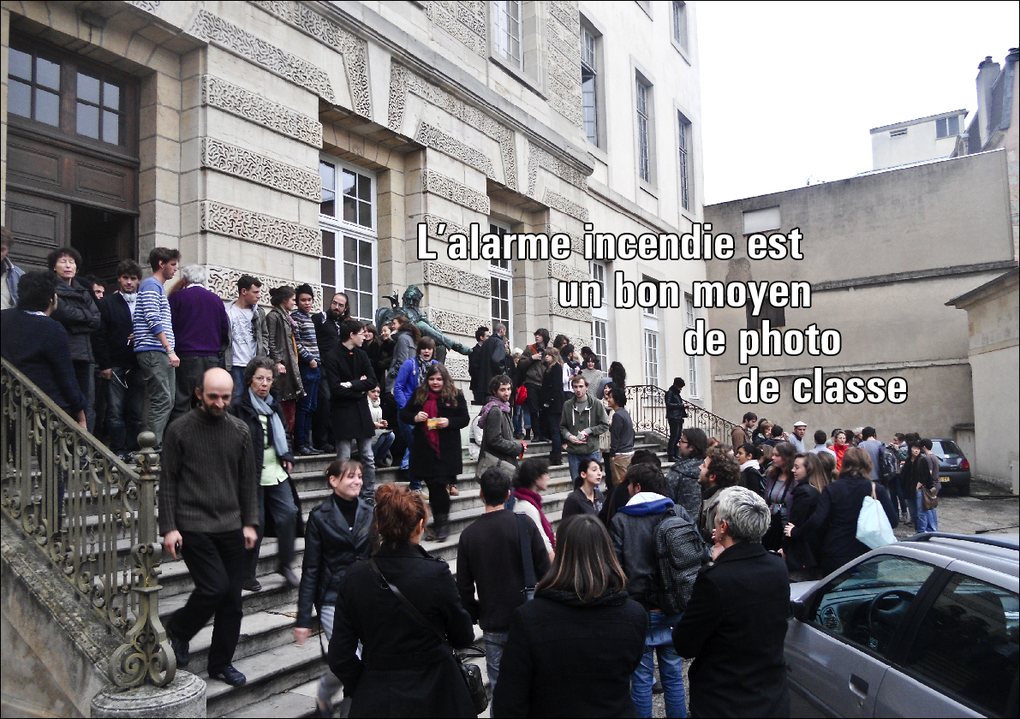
x=471, y=672
x=526, y=559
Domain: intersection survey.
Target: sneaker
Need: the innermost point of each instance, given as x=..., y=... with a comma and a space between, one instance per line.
x=251, y=585
x=181, y=649
x=229, y=675
x=288, y=574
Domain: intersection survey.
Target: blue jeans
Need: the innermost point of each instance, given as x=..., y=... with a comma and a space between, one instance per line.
x=407, y=432
x=124, y=396
x=277, y=500
x=519, y=420
x=382, y=445
x=574, y=461
x=659, y=640
x=495, y=643
x=237, y=374
x=367, y=458
x=927, y=520
x=306, y=406
x=552, y=428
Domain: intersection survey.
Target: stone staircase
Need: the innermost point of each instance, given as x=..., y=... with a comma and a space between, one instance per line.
x=281, y=675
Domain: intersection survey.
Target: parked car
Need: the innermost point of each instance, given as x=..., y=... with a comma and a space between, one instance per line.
x=924, y=627
x=954, y=469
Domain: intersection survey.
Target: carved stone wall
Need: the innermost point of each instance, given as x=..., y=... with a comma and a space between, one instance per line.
x=457, y=365
x=435, y=138
x=225, y=96
x=260, y=169
x=573, y=313
x=256, y=227
x=223, y=281
x=464, y=20
x=561, y=203
x=438, y=273
x=404, y=82
x=446, y=187
x=455, y=323
x=433, y=222
x=564, y=272
x=563, y=28
x=353, y=49
x=539, y=158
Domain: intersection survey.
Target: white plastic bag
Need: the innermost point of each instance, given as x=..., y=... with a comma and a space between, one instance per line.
x=873, y=528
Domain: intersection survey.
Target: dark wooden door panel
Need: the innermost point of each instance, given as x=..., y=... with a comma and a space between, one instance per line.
x=39, y=225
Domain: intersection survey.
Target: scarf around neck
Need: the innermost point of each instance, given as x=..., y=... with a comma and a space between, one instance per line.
x=276, y=430
x=534, y=499
x=431, y=409
x=493, y=402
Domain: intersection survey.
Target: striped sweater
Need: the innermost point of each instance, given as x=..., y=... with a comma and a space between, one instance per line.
x=152, y=316
x=307, y=344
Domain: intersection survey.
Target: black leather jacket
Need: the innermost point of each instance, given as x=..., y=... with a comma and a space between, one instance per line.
x=330, y=549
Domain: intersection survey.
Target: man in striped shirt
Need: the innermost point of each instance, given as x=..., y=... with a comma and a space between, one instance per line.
x=311, y=374
x=154, y=339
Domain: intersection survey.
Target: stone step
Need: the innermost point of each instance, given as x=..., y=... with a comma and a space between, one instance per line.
x=260, y=632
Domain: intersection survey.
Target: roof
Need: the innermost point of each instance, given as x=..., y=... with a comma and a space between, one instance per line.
x=998, y=552
x=1003, y=280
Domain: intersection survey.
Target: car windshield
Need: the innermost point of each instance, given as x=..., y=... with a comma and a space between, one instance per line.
x=945, y=448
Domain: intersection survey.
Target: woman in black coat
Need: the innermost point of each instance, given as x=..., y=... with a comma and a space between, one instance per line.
x=838, y=509
x=552, y=398
x=802, y=553
x=581, y=609
x=436, y=450
x=404, y=668
x=338, y=534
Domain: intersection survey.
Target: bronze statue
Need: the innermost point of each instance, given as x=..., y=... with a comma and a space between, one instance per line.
x=412, y=308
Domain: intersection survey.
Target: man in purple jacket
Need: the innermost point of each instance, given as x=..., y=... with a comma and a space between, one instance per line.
x=202, y=332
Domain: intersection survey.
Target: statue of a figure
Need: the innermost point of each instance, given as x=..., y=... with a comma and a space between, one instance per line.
x=412, y=308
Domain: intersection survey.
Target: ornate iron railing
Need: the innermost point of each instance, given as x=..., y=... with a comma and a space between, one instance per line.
x=647, y=407
x=95, y=518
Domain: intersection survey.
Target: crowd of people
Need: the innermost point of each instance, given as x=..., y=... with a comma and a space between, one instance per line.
x=234, y=393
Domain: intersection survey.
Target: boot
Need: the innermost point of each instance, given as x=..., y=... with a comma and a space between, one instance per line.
x=440, y=528
x=555, y=459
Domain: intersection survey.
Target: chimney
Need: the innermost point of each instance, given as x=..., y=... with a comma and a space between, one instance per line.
x=987, y=72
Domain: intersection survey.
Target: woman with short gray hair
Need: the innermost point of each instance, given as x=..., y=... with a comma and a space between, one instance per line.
x=735, y=621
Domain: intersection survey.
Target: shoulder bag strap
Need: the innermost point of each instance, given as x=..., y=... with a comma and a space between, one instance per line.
x=526, y=559
x=410, y=607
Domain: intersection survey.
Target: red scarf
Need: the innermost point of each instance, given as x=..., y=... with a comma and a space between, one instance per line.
x=431, y=409
x=533, y=498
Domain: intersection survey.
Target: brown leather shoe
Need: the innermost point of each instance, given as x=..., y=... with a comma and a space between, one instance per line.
x=452, y=489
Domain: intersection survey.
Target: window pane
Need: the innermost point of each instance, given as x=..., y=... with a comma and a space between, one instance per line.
x=364, y=278
x=111, y=96
x=111, y=127
x=328, y=175
x=967, y=644
x=954, y=126
x=19, y=98
x=865, y=605
x=350, y=276
x=350, y=249
x=47, y=107
x=365, y=252
x=328, y=244
x=350, y=209
x=88, y=88
x=47, y=73
x=88, y=120
x=365, y=188
x=20, y=64
x=349, y=180
x=328, y=273
x=364, y=214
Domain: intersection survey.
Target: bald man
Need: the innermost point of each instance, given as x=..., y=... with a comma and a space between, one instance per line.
x=208, y=511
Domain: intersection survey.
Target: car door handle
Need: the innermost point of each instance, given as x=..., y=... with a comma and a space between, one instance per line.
x=859, y=687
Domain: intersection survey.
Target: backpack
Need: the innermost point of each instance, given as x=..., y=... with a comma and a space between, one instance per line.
x=475, y=443
x=679, y=550
x=888, y=464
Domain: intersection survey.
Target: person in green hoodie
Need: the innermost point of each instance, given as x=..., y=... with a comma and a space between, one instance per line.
x=584, y=418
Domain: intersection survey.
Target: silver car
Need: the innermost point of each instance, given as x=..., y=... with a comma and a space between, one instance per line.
x=924, y=627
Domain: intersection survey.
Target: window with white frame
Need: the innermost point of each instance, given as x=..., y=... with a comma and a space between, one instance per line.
x=684, y=140
x=652, y=311
x=692, y=361
x=644, y=128
x=501, y=286
x=347, y=222
x=506, y=30
x=651, y=357
x=589, y=83
x=600, y=316
x=947, y=126
x=680, y=24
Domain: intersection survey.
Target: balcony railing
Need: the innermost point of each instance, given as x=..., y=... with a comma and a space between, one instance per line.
x=95, y=518
x=647, y=407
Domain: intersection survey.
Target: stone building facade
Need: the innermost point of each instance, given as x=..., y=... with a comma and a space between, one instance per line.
x=306, y=141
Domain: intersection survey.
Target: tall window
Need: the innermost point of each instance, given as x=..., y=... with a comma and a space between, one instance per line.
x=684, y=163
x=34, y=89
x=692, y=361
x=680, y=24
x=600, y=316
x=506, y=28
x=652, y=357
x=501, y=284
x=652, y=311
x=347, y=223
x=644, y=130
x=589, y=91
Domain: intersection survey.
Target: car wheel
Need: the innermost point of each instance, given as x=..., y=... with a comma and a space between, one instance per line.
x=963, y=489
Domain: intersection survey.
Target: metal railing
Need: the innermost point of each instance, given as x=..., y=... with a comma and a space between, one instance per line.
x=647, y=407
x=95, y=518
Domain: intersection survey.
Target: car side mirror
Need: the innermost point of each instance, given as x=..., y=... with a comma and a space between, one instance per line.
x=798, y=609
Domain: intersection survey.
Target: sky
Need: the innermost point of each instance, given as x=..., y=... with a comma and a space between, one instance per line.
x=789, y=91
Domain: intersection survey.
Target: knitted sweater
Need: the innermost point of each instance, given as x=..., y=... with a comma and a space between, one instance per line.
x=307, y=343
x=152, y=316
x=207, y=482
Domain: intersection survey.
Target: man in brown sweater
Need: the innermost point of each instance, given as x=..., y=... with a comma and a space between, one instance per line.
x=208, y=509
x=741, y=434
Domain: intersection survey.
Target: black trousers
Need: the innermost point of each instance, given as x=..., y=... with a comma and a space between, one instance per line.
x=676, y=426
x=439, y=495
x=188, y=375
x=390, y=412
x=322, y=429
x=216, y=563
